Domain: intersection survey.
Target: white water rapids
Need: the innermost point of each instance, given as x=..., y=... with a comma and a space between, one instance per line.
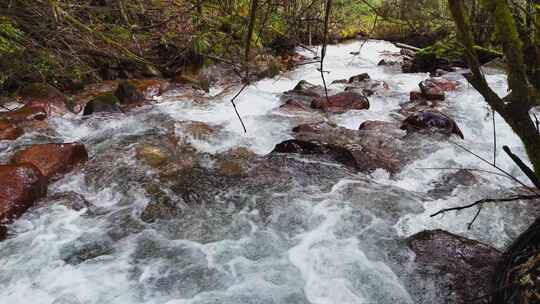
x=336, y=241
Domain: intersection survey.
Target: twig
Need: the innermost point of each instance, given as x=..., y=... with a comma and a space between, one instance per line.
x=494, y=138
x=498, y=168
x=468, y=169
x=234, y=106
x=323, y=51
x=488, y=200
x=524, y=168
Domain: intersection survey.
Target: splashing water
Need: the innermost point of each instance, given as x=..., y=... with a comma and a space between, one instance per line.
x=331, y=236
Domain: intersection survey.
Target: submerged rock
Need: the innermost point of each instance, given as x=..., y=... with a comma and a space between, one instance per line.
x=295, y=105
x=9, y=131
x=341, y=102
x=106, y=102
x=52, y=159
x=431, y=121
x=451, y=181
x=463, y=266
x=359, y=78
x=22, y=185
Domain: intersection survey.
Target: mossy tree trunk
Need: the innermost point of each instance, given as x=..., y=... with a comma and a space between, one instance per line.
x=514, y=107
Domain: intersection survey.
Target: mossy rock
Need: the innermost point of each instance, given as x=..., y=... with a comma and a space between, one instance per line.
x=40, y=91
x=106, y=102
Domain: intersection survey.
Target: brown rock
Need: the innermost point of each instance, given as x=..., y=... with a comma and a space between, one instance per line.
x=52, y=159
x=341, y=102
x=27, y=113
x=44, y=96
x=416, y=96
x=295, y=105
x=22, y=185
x=462, y=266
x=377, y=125
x=434, y=88
x=9, y=131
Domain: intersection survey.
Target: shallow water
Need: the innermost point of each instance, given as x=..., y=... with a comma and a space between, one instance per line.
x=331, y=236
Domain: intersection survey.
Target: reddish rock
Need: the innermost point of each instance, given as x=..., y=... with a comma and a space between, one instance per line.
x=377, y=125
x=434, y=88
x=416, y=96
x=316, y=127
x=128, y=93
x=9, y=131
x=44, y=96
x=341, y=102
x=52, y=159
x=295, y=105
x=433, y=121
x=359, y=78
x=462, y=266
x=304, y=88
x=27, y=113
x=22, y=185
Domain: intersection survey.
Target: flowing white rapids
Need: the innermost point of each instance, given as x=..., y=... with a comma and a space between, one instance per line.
x=325, y=244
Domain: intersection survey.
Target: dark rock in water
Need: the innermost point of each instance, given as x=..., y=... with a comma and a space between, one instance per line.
x=416, y=96
x=433, y=121
x=9, y=131
x=71, y=200
x=305, y=88
x=85, y=248
x=451, y=181
x=22, y=185
x=106, y=102
x=454, y=263
x=368, y=87
x=339, y=81
x=407, y=53
x=384, y=62
x=341, y=102
x=359, y=78
x=433, y=88
x=52, y=159
x=377, y=125
x=127, y=93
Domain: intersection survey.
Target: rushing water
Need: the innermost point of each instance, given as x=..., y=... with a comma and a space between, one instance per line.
x=331, y=236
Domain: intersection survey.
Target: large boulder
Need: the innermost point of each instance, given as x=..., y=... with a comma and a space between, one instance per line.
x=22, y=185
x=460, y=267
x=341, y=103
x=9, y=131
x=106, y=102
x=52, y=159
x=45, y=96
x=431, y=121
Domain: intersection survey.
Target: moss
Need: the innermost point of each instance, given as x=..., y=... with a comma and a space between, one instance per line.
x=39, y=90
x=107, y=98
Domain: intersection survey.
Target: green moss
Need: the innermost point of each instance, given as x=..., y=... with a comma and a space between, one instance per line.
x=106, y=98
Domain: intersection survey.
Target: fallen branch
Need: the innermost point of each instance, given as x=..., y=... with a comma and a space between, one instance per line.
x=234, y=106
x=481, y=202
x=524, y=168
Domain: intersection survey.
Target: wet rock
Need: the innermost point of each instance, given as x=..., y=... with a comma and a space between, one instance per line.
x=42, y=95
x=317, y=127
x=378, y=125
x=295, y=105
x=24, y=114
x=150, y=88
x=22, y=185
x=52, y=160
x=9, y=131
x=359, y=78
x=433, y=88
x=407, y=53
x=416, y=96
x=152, y=155
x=451, y=181
x=431, y=121
x=127, y=93
x=340, y=81
x=368, y=87
x=106, y=102
x=196, y=129
x=460, y=267
x=304, y=88
x=70, y=199
x=85, y=248
x=341, y=102
x=384, y=62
